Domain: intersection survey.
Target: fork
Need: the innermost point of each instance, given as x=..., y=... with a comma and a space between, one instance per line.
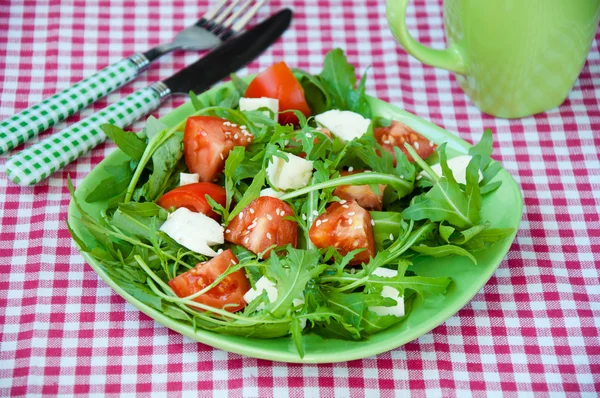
x=217, y=24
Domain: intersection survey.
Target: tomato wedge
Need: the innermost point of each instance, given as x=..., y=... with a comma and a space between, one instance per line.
x=278, y=81
x=261, y=224
x=362, y=194
x=207, y=141
x=346, y=226
x=228, y=294
x=193, y=197
x=396, y=134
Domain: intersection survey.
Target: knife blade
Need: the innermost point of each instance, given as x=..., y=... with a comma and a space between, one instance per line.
x=40, y=160
x=230, y=56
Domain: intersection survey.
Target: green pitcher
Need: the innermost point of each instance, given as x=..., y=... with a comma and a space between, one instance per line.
x=513, y=58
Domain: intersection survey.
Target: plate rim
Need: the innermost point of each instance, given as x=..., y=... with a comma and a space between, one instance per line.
x=374, y=348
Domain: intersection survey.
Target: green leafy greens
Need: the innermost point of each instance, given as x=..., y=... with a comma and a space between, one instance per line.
x=317, y=292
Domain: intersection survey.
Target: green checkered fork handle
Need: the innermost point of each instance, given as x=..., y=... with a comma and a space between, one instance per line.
x=28, y=123
x=40, y=160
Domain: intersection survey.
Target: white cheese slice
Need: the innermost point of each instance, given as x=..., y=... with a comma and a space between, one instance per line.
x=187, y=178
x=396, y=310
x=262, y=285
x=293, y=174
x=458, y=165
x=194, y=231
x=385, y=272
x=271, y=192
x=346, y=125
x=252, y=104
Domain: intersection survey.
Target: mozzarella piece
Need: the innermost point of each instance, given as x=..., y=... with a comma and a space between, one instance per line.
x=296, y=302
x=262, y=285
x=397, y=310
x=271, y=192
x=346, y=125
x=186, y=178
x=195, y=231
x=293, y=174
x=458, y=165
x=385, y=272
x=252, y=104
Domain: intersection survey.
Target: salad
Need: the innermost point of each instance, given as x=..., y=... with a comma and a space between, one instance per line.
x=284, y=207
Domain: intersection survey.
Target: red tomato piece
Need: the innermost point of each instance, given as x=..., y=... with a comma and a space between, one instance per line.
x=278, y=81
x=362, y=194
x=193, y=197
x=261, y=224
x=207, y=141
x=230, y=291
x=346, y=226
x=397, y=134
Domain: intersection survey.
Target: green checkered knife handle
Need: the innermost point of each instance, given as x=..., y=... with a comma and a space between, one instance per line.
x=32, y=121
x=40, y=160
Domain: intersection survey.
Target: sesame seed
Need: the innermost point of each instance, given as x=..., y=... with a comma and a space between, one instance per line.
x=252, y=225
x=219, y=251
x=241, y=215
x=233, y=125
x=416, y=145
x=308, y=135
x=373, y=222
x=350, y=221
x=401, y=175
x=228, y=133
x=431, y=143
x=251, y=211
x=233, y=261
x=350, y=168
x=310, y=218
x=226, y=123
x=342, y=201
x=235, y=136
x=304, y=217
x=325, y=220
x=318, y=222
x=203, y=133
x=249, y=139
x=278, y=211
x=227, y=231
x=246, y=240
x=345, y=206
x=269, y=217
x=315, y=213
x=221, y=155
x=358, y=227
x=391, y=236
x=243, y=127
x=352, y=213
x=386, y=141
x=269, y=236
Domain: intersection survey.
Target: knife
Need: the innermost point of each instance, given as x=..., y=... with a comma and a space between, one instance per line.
x=40, y=160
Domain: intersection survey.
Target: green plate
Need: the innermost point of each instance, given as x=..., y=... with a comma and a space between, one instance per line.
x=468, y=278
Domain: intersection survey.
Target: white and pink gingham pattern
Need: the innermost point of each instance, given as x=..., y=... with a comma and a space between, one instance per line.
x=533, y=330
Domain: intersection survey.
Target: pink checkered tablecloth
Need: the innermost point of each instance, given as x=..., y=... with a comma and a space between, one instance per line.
x=533, y=330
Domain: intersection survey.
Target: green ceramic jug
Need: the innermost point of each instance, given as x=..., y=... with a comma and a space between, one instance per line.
x=513, y=58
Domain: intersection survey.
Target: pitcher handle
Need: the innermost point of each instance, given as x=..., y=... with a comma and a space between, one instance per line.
x=450, y=58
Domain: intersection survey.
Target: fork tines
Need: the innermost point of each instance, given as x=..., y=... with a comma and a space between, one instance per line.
x=225, y=20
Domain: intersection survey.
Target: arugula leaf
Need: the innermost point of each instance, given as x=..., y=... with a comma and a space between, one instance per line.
x=387, y=223
x=291, y=272
x=443, y=251
x=129, y=143
x=164, y=160
x=486, y=238
x=240, y=85
x=113, y=185
x=339, y=80
x=251, y=193
x=446, y=201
